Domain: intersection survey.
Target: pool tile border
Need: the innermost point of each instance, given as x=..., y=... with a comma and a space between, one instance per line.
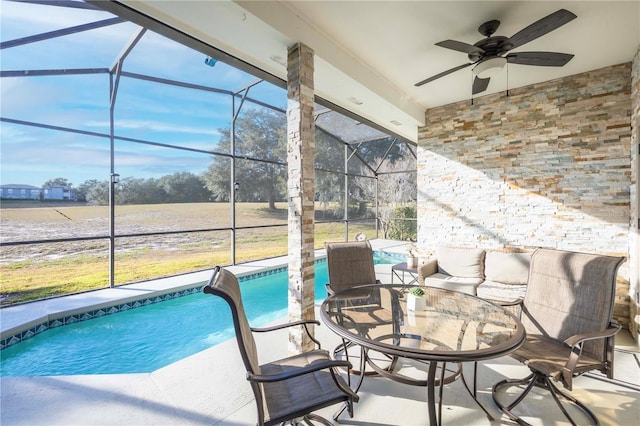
x=120, y=307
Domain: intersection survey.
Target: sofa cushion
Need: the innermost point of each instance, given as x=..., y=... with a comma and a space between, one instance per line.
x=447, y=282
x=501, y=292
x=461, y=262
x=507, y=268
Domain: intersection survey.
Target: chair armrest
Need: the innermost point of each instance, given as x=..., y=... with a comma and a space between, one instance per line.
x=304, y=323
x=314, y=366
x=284, y=325
x=576, y=342
x=330, y=291
x=579, y=338
x=430, y=267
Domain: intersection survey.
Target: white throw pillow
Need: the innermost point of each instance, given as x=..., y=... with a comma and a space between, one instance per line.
x=461, y=262
x=507, y=268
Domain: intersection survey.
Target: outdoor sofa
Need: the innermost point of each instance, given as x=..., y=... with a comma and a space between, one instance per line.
x=496, y=275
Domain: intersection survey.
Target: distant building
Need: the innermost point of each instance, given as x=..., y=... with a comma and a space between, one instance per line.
x=58, y=193
x=20, y=192
x=30, y=192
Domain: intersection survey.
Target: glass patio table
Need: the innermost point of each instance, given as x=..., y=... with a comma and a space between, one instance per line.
x=453, y=328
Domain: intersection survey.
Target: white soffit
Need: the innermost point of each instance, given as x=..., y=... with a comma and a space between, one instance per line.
x=369, y=54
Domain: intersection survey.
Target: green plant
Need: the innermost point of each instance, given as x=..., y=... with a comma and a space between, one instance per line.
x=412, y=251
x=403, y=225
x=417, y=291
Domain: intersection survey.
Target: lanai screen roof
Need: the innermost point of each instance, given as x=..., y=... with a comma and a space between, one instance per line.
x=77, y=39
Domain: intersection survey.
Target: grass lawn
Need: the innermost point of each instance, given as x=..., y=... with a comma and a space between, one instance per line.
x=34, y=271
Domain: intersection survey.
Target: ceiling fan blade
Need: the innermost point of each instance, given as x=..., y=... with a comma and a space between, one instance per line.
x=541, y=27
x=442, y=74
x=479, y=85
x=460, y=46
x=540, y=59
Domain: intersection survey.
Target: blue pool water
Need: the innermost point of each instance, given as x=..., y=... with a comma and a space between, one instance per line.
x=150, y=337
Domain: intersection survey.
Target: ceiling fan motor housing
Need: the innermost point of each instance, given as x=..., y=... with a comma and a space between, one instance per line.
x=492, y=46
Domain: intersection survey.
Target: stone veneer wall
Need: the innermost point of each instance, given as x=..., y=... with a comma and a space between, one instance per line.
x=635, y=207
x=548, y=165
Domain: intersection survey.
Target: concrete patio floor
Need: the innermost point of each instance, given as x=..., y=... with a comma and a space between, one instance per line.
x=209, y=388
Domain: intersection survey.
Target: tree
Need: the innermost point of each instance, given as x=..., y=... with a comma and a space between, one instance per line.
x=403, y=225
x=132, y=190
x=372, y=151
x=260, y=134
x=184, y=187
x=395, y=189
x=330, y=178
x=98, y=194
x=176, y=188
x=57, y=182
x=83, y=189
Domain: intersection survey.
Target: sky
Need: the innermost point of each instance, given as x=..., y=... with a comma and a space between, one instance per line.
x=145, y=111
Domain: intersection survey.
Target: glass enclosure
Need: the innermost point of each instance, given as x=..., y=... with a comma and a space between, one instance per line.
x=127, y=156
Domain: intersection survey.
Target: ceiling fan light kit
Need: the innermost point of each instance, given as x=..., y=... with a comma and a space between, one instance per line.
x=490, y=67
x=489, y=55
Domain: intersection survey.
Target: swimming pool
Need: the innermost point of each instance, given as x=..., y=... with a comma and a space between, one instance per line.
x=150, y=337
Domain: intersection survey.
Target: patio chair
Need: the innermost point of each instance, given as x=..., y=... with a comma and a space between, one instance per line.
x=567, y=314
x=289, y=389
x=349, y=264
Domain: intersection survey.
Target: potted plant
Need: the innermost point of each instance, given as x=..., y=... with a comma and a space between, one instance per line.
x=415, y=299
x=412, y=256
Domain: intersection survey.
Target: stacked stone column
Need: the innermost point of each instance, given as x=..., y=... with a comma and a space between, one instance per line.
x=301, y=191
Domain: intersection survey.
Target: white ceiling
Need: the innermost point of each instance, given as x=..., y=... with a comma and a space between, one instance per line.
x=375, y=51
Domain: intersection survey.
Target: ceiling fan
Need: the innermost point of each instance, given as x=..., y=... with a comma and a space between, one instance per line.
x=488, y=54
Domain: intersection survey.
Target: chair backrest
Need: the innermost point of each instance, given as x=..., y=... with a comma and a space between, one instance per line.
x=570, y=293
x=350, y=264
x=225, y=285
